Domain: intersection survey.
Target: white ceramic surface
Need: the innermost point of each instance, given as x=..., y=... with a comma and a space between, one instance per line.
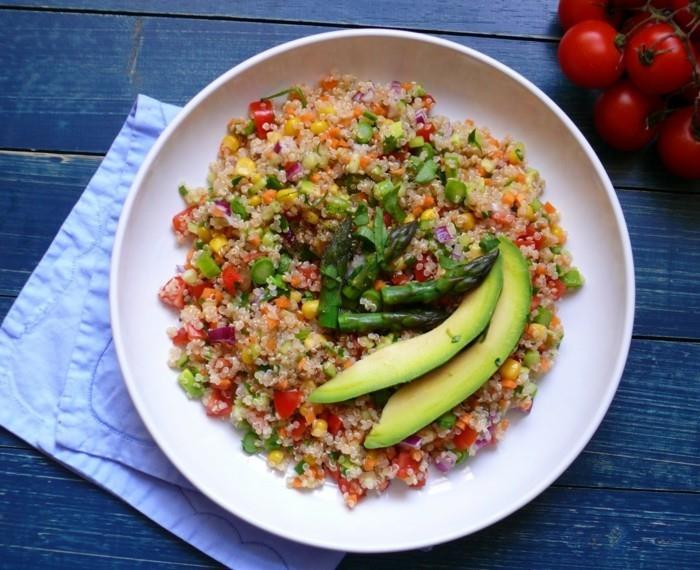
x=573, y=397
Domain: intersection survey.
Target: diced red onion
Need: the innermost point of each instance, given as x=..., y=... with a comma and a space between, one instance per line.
x=293, y=170
x=357, y=97
x=224, y=206
x=226, y=335
x=442, y=234
x=277, y=147
x=395, y=86
x=421, y=116
x=179, y=268
x=414, y=441
x=445, y=461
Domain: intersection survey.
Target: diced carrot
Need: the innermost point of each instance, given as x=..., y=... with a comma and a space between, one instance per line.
x=345, y=121
x=509, y=384
x=365, y=161
x=545, y=364
x=282, y=302
x=520, y=177
x=307, y=118
x=397, y=172
x=417, y=211
x=357, y=111
x=224, y=384
x=378, y=109
x=555, y=321
x=269, y=196
x=295, y=281
x=508, y=199
x=407, y=86
x=211, y=295
x=254, y=240
x=428, y=201
x=549, y=208
x=302, y=363
x=315, y=177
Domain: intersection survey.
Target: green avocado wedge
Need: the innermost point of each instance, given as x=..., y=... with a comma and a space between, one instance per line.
x=421, y=402
x=409, y=359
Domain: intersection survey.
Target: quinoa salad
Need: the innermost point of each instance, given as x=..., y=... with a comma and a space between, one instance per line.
x=338, y=220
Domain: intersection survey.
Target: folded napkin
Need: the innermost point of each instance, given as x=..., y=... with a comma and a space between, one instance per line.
x=61, y=386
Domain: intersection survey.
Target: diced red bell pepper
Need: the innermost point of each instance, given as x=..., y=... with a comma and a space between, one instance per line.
x=465, y=439
x=335, y=424
x=261, y=112
x=231, y=278
x=218, y=403
x=173, y=293
x=426, y=131
x=287, y=402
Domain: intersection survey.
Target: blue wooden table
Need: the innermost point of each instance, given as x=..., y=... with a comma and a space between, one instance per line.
x=70, y=72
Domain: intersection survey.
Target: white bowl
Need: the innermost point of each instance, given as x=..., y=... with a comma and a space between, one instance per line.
x=573, y=396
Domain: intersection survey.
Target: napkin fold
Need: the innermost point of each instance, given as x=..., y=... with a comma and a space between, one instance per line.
x=62, y=390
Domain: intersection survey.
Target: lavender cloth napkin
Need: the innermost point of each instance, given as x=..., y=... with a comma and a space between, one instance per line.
x=62, y=391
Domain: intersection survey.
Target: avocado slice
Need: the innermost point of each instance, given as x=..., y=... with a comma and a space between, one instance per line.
x=409, y=359
x=421, y=402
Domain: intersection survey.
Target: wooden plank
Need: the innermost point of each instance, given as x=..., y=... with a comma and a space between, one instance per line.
x=659, y=223
x=493, y=17
x=582, y=528
x=49, y=103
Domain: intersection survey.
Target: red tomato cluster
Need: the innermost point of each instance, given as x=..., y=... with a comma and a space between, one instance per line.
x=644, y=55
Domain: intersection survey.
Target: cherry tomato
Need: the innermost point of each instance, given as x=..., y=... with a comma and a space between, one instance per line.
x=218, y=403
x=262, y=113
x=465, y=439
x=420, y=271
x=287, y=402
x=181, y=338
x=679, y=143
x=656, y=59
x=685, y=13
x=621, y=116
x=231, y=279
x=181, y=219
x=426, y=131
x=588, y=55
x=571, y=12
x=173, y=293
x=335, y=424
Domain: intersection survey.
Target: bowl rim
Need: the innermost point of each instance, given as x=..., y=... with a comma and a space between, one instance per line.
x=605, y=401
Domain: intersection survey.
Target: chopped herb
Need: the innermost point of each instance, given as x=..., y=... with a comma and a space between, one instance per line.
x=182, y=189
x=273, y=182
x=371, y=117
x=235, y=180
x=488, y=242
x=239, y=209
x=361, y=215
x=294, y=90
x=474, y=139
x=390, y=144
x=249, y=128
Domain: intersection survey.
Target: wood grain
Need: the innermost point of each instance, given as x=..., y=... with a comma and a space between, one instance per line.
x=658, y=223
x=493, y=17
x=577, y=526
x=50, y=103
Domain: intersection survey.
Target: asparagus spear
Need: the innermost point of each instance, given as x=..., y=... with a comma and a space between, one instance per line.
x=396, y=242
x=395, y=320
x=459, y=279
x=333, y=266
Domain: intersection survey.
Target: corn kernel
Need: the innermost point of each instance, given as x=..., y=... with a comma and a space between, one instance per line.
x=295, y=296
x=245, y=167
x=292, y=127
x=466, y=221
x=317, y=127
x=310, y=216
x=256, y=178
x=325, y=109
x=537, y=331
x=428, y=215
x=203, y=233
x=319, y=428
x=287, y=195
x=249, y=354
x=559, y=233
x=217, y=243
x=254, y=200
x=275, y=457
x=310, y=309
x=409, y=218
x=231, y=143
x=510, y=369
x=314, y=340
x=274, y=136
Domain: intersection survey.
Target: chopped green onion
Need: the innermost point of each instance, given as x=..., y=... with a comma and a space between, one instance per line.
x=262, y=269
x=299, y=467
x=239, y=209
x=303, y=334
x=329, y=369
x=531, y=358
x=272, y=443
x=416, y=142
x=371, y=117
x=250, y=443
x=294, y=90
x=363, y=133
x=273, y=182
x=447, y=421
x=249, y=128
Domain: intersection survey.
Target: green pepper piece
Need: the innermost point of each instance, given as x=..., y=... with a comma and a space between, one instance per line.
x=262, y=269
x=455, y=190
x=207, y=266
x=427, y=172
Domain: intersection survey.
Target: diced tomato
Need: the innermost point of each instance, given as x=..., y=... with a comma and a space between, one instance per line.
x=558, y=288
x=262, y=113
x=426, y=131
x=173, y=293
x=181, y=338
x=231, y=278
x=335, y=424
x=181, y=219
x=298, y=432
x=399, y=278
x=194, y=333
x=534, y=303
x=352, y=487
x=531, y=236
x=465, y=439
x=420, y=271
x=405, y=462
x=287, y=402
x=420, y=484
x=218, y=403
x=197, y=290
